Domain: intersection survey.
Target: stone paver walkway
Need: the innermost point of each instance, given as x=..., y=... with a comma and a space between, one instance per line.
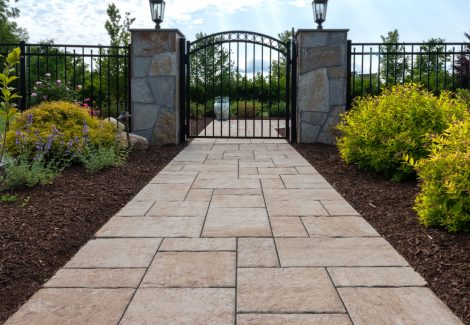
x=236, y=231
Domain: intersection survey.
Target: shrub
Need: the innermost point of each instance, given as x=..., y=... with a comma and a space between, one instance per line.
x=95, y=159
x=379, y=130
x=21, y=171
x=57, y=131
x=464, y=94
x=47, y=89
x=445, y=180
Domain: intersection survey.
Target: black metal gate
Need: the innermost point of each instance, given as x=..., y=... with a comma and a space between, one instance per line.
x=238, y=84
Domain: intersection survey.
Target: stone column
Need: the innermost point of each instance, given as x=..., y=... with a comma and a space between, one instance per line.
x=321, y=83
x=155, y=77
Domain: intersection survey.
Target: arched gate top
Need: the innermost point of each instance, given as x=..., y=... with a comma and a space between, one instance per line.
x=242, y=37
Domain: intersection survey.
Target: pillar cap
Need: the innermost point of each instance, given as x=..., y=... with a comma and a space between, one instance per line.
x=321, y=31
x=174, y=30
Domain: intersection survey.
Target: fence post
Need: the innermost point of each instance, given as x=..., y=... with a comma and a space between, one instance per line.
x=182, y=86
x=22, y=88
x=348, y=76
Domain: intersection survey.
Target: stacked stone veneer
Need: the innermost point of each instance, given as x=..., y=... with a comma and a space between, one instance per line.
x=155, y=85
x=322, y=75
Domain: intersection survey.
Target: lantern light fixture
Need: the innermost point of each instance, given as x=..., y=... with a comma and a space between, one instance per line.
x=157, y=9
x=319, y=11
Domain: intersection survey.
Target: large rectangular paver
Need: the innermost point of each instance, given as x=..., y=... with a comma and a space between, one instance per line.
x=305, y=181
x=73, y=306
x=295, y=208
x=178, y=209
x=237, y=201
x=286, y=290
x=177, y=306
x=413, y=306
x=301, y=194
x=375, y=277
x=115, y=253
x=257, y=252
x=191, y=270
x=237, y=222
x=164, y=192
x=339, y=227
x=96, y=278
x=324, y=251
x=293, y=319
x=288, y=227
x=152, y=227
x=227, y=183
x=198, y=244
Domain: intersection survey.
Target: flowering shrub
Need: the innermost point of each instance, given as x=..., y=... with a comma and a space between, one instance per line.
x=445, y=180
x=48, y=89
x=379, y=130
x=57, y=131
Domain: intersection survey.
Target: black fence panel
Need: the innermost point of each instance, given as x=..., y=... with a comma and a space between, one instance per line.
x=436, y=66
x=96, y=76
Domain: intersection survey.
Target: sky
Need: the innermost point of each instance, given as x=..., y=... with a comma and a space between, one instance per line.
x=82, y=21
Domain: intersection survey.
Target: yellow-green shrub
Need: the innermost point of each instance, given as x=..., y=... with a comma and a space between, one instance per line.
x=379, y=130
x=57, y=130
x=444, y=199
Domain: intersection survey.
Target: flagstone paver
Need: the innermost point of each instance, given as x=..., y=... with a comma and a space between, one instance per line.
x=241, y=230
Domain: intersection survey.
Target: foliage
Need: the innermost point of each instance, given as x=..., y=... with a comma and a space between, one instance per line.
x=118, y=29
x=57, y=131
x=21, y=171
x=47, y=89
x=444, y=200
x=462, y=65
x=8, y=198
x=7, y=108
x=98, y=158
x=379, y=130
x=241, y=109
x=392, y=65
x=10, y=32
x=464, y=95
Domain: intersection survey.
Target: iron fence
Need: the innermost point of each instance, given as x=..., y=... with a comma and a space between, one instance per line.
x=437, y=66
x=97, y=76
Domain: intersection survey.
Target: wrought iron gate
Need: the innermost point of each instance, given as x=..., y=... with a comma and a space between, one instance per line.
x=238, y=84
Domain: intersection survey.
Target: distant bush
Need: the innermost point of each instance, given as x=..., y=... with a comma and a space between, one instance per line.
x=445, y=180
x=379, y=130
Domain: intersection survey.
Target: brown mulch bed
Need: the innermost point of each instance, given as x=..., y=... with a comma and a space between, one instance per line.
x=443, y=259
x=47, y=225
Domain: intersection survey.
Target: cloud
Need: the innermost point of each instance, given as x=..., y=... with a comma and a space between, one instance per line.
x=298, y=3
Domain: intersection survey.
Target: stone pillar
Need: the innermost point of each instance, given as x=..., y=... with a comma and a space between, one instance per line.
x=155, y=57
x=321, y=83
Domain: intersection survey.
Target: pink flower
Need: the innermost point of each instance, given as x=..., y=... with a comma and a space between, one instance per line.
x=79, y=87
x=48, y=75
x=85, y=105
x=58, y=82
x=86, y=99
x=34, y=95
x=38, y=83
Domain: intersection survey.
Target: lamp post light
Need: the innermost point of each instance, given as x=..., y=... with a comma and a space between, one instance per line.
x=157, y=8
x=319, y=10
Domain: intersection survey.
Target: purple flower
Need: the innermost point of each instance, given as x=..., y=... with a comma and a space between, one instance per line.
x=49, y=142
x=44, y=97
x=85, y=128
x=29, y=119
x=34, y=95
x=18, y=137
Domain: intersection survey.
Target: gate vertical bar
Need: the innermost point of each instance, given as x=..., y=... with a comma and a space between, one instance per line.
x=288, y=76
x=187, y=59
x=182, y=85
x=23, y=76
x=293, y=112
x=349, y=77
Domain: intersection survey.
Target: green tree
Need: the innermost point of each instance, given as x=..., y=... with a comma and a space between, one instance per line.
x=10, y=32
x=462, y=66
x=429, y=67
x=394, y=65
